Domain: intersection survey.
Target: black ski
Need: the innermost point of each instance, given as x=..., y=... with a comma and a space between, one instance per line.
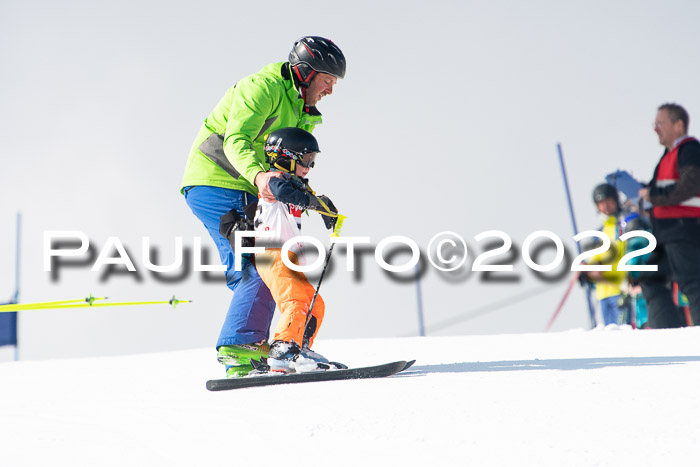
x=408, y=365
x=378, y=371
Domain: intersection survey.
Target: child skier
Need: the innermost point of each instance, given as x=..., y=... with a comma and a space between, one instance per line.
x=291, y=151
x=608, y=284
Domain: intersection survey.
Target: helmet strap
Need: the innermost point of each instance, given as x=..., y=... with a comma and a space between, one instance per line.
x=301, y=82
x=279, y=162
x=284, y=164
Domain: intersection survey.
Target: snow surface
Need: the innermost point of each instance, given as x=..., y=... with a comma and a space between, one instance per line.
x=604, y=397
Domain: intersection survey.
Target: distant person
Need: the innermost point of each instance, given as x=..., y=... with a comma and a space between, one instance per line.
x=226, y=170
x=634, y=221
x=674, y=192
x=608, y=284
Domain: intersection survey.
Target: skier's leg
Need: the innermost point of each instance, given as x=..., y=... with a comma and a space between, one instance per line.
x=292, y=293
x=252, y=307
x=684, y=259
x=610, y=310
x=316, y=318
x=661, y=311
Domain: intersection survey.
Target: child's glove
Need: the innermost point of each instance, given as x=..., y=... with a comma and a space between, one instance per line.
x=583, y=279
x=324, y=206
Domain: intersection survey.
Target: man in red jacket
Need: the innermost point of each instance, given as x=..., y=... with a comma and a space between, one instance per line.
x=675, y=193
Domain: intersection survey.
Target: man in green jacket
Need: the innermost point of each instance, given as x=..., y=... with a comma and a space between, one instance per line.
x=226, y=171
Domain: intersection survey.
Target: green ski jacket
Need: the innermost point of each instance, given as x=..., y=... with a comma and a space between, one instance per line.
x=228, y=151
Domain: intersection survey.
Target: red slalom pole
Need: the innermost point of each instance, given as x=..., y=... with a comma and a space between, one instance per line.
x=563, y=300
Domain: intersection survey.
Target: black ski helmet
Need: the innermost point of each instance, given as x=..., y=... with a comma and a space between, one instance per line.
x=605, y=191
x=285, y=148
x=313, y=54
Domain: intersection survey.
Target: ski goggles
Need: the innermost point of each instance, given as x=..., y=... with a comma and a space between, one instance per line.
x=307, y=160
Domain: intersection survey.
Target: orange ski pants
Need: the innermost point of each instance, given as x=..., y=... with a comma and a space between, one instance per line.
x=292, y=293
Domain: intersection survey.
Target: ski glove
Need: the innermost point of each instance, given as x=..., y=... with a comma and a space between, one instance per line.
x=232, y=221
x=328, y=212
x=583, y=279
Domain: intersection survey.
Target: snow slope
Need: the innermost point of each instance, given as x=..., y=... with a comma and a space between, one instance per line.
x=603, y=397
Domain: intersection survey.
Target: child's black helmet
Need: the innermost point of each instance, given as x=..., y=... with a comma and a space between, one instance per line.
x=285, y=148
x=605, y=191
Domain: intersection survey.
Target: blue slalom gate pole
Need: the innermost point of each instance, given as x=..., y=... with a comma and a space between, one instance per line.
x=18, y=241
x=18, y=246
x=8, y=319
x=591, y=308
x=419, y=297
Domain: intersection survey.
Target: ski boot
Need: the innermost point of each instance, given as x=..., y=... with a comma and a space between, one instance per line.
x=289, y=357
x=237, y=358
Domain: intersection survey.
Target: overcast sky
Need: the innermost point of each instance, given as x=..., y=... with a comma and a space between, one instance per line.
x=448, y=119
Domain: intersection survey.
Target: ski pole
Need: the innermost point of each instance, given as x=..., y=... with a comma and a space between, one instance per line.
x=75, y=304
x=32, y=306
x=336, y=233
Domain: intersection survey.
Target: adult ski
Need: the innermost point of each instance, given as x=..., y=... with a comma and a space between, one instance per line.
x=270, y=379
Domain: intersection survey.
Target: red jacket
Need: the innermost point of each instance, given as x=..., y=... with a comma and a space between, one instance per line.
x=666, y=176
